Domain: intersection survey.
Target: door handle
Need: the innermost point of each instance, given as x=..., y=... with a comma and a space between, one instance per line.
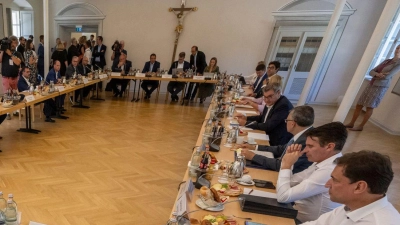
x=295, y=66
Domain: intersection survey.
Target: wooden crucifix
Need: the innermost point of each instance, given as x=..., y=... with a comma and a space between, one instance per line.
x=180, y=14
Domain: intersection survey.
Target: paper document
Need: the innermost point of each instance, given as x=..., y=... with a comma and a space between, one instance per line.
x=115, y=74
x=247, y=112
x=258, y=136
x=35, y=223
x=263, y=153
x=259, y=193
x=244, y=106
x=245, y=128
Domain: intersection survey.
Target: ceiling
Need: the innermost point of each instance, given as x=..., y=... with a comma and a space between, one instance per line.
x=22, y=3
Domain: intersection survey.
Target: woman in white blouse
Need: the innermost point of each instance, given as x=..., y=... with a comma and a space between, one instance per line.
x=88, y=52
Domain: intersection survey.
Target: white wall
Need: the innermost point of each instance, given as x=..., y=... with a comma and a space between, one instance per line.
x=236, y=32
x=350, y=49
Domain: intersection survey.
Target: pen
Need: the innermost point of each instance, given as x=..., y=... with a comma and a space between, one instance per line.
x=250, y=191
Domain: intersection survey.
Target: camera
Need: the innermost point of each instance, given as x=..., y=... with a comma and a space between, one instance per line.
x=116, y=46
x=5, y=44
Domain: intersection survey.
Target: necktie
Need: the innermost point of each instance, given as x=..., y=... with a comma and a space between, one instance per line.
x=287, y=145
x=84, y=70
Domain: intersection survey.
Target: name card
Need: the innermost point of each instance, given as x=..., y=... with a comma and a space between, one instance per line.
x=60, y=88
x=198, y=77
x=29, y=98
x=166, y=76
x=115, y=74
x=85, y=80
x=102, y=76
x=187, y=189
x=140, y=75
x=181, y=205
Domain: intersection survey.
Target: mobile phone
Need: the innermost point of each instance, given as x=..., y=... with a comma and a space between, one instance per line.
x=252, y=223
x=264, y=184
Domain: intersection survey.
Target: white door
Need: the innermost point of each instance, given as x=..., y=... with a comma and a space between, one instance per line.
x=303, y=61
x=287, y=47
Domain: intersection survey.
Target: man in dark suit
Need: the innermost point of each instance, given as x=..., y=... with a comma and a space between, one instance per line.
x=150, y=67
x=72, y=69
x=83, y=69
x=23, y=80
x=21, y=46
x=272, y=121
x=261, y=77
x=175, y=87
x=72, y=50
x=198, y=64
x=298, y=122
x=98, y=54
x=40, y=53
x=123, y=65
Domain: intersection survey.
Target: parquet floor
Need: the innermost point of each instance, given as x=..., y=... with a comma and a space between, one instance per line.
x=120, y=162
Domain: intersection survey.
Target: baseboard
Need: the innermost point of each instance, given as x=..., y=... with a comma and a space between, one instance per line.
x=323, y=103
x=383, y=127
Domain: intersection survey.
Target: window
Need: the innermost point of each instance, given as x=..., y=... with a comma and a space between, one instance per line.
x=16, y=23
x=388, y=43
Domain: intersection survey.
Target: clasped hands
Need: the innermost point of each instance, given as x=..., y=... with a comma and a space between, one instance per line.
x=242, y=119
x=381, y=75
x=293, y=153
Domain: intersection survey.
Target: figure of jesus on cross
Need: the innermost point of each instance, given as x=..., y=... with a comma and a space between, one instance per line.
x=180, y=14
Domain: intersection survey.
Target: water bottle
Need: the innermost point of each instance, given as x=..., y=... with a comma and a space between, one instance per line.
x=3, y=202
x=208, y=127
x=11, y=197
x=194, y=163
x=11, y=213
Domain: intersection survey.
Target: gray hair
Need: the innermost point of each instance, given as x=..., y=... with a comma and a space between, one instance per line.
x=13, y=38
x=274, y=86
x=303, y=115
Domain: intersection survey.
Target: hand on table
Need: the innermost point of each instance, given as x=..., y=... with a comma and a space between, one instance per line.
x=242, y=121
x=248, y=146
x=249, y=155
x=293, y=153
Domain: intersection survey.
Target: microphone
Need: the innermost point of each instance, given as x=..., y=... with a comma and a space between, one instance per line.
x=250, y=123
x=89, y=69
x=98, y=66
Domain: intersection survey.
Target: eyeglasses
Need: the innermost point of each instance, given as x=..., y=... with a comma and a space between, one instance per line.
x=269, y=96
x=286, y=120
x=271, y=67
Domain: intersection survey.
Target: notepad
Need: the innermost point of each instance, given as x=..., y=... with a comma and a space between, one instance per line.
x=244, y=106
x=263, y=153
x=247, y=112
x=258, y=136
x=259, y=193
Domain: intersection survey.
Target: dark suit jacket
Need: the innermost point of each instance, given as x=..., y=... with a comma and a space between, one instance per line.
x=200, y=63
x=128, y=65
x=275, y=125
x=70, y=71
x=275, y=164
x=40, y=64
x=84, y=72
x=52, y=76
x=186, y=66
x=101, y=53
x=146, y=67
x=22, y=84
x=257, y=89
x=72, y=51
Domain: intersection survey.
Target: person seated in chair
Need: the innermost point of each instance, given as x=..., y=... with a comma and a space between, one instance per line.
x=150, y=66
x=174, y=87
x=123, y=66
x=83, y=69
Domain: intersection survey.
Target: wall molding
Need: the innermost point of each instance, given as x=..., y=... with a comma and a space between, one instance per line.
x=383, y=127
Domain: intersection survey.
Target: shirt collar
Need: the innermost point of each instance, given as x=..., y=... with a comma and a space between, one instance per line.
x=26, y=79
x=328, y=161
x=362, y=212
x=295, y=137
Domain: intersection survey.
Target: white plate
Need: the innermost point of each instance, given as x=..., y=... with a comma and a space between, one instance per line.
x=203, y=206
x=245, y=184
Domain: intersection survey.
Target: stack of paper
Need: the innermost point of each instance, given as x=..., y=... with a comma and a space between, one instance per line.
x=258, y=136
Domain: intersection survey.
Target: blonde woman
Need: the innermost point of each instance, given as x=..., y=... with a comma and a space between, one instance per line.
x=61, y=56
x=259, y=103
x=81, y=47
x=206, y=90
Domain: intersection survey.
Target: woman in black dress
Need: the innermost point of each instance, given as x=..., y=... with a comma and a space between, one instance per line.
x=61, y=56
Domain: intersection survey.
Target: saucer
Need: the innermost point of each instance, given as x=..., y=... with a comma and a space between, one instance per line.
x=203, y=206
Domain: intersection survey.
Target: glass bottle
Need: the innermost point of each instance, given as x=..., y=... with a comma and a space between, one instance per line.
x=3, y=202
x=204, y=161
x=208, y=127
x=11, y=197
x=11, y=213
x=195, y=162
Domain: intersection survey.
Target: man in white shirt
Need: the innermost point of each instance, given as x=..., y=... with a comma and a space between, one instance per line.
x=360, y=181
x=307, y=188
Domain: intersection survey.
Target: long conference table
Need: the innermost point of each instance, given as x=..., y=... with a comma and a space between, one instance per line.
x=37, y=98
x=233, y=208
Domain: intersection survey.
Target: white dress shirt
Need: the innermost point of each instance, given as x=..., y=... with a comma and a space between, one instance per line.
x=97, y=59
x=180, y=65
x=380, y=212
x=88, y=54
x=307, y=189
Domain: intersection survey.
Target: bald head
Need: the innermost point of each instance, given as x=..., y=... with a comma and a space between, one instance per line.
x=85, y=60
x=75, y=61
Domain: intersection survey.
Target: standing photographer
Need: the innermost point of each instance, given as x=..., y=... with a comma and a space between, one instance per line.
x=11, y=61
